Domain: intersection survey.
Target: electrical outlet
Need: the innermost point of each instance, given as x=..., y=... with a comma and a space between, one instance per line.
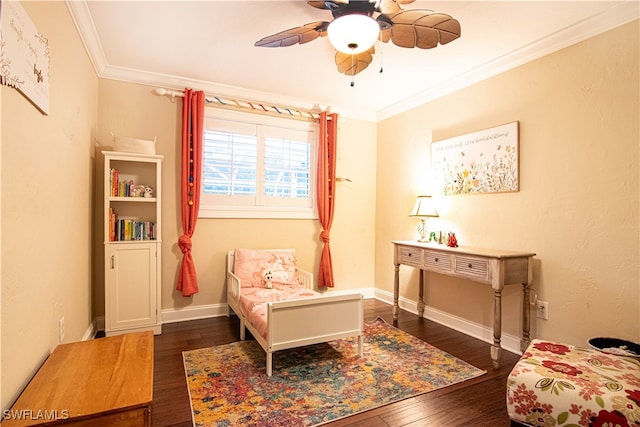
x=61, y=329
x=542, y=310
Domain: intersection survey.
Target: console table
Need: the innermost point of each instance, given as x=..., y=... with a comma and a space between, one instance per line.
x=94, y=383
x=497, y=268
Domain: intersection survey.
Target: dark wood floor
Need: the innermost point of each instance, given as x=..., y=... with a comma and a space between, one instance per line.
x=478, y=402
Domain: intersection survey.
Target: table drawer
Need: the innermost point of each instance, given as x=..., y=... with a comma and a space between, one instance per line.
x=437, y=261
x=410, y=256
x=472, y=267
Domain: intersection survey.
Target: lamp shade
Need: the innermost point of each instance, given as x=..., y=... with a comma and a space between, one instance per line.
x=424, y=207
x=353, y=33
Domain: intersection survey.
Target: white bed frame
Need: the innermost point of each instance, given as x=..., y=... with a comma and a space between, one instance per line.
x=300, y=322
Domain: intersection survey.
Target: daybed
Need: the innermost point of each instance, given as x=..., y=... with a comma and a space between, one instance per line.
x=276, y=302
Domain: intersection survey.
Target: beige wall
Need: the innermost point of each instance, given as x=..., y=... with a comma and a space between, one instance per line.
x=47, y=190
x=577, y=207
x=145, y=115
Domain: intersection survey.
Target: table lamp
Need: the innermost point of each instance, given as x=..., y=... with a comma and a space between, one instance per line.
x=423, y=209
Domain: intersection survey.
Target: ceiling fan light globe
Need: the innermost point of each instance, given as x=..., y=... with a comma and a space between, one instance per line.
x=353, y=33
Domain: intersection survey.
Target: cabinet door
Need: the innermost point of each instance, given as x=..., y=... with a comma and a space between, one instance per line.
x=131, y=286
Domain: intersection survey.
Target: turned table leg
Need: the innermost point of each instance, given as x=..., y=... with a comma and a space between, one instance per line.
x=526, y=317
x=496, y=350
x=421, y=294
x=396, y=291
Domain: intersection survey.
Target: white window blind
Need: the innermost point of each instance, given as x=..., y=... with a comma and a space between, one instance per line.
x=257, y=167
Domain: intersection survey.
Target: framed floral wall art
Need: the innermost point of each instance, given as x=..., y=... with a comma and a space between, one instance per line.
x=480, y=162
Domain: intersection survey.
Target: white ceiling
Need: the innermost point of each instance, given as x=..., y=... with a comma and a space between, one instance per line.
x=209, y=45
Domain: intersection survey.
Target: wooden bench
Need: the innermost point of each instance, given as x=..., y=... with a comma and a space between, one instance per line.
x=100, y=382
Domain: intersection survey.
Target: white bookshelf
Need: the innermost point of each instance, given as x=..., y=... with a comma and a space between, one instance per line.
x=132, y=238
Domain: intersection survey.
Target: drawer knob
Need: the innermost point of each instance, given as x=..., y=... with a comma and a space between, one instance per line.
x=409, y=254
x=470, y=265
x=436, y=259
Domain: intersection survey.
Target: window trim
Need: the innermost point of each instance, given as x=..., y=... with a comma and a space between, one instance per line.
x=211, y=210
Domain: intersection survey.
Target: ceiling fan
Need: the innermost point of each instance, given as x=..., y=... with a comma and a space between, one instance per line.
x=383, y=20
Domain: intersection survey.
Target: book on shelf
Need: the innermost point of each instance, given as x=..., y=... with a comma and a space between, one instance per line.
x=114, y=182
x=112, y=225
x=124, y=188
x=130, y=229
x=121, y=187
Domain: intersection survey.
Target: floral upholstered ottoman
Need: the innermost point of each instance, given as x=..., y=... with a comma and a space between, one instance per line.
x=563, y=385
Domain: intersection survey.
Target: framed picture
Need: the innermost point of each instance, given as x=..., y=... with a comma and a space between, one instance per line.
x=24, y=55
x=480, y=162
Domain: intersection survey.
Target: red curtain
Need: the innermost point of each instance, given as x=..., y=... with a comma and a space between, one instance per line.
x=326, y=192
x=192, y=134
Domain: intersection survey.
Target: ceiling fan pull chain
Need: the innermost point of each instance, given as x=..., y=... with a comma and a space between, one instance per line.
x=381, y=55
x=352, y=72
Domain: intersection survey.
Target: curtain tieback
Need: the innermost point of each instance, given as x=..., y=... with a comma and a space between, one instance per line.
x=184, y=243
x=324, y=235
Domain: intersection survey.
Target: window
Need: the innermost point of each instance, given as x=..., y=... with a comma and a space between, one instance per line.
x=257, y=167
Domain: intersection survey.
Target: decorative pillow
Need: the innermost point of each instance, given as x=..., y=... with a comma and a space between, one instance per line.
x=251, y=266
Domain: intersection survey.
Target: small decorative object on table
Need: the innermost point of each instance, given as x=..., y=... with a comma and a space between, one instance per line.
x=148, y=191
x=423, y=209
x=452, y=242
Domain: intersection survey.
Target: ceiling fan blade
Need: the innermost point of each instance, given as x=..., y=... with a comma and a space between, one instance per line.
x=385, y=35
x=449, y=30
x=353, y=64
x=320, y=4
x=390, y=7
x=303, y=34
x=328, y=5
x=423, y=29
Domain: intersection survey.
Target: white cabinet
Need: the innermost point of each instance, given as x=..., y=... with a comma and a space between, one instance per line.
x=132, y=238
x=131, y=291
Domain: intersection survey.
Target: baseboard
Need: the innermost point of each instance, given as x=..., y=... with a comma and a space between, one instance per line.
x=178, y=315
x=100, y=323
x=90, y=333
x=509, y=342
x=172, y=315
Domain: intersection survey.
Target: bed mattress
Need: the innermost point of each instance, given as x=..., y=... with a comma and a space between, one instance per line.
x=253, y=302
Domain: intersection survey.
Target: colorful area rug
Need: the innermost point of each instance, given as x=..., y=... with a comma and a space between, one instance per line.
x=315, y=384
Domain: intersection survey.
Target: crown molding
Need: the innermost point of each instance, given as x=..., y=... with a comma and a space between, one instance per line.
x=79, y=11
x=618, y=14
x=83, y=21
x=615, y=16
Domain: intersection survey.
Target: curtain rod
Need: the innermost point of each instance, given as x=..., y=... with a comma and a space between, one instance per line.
x=251, y=106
